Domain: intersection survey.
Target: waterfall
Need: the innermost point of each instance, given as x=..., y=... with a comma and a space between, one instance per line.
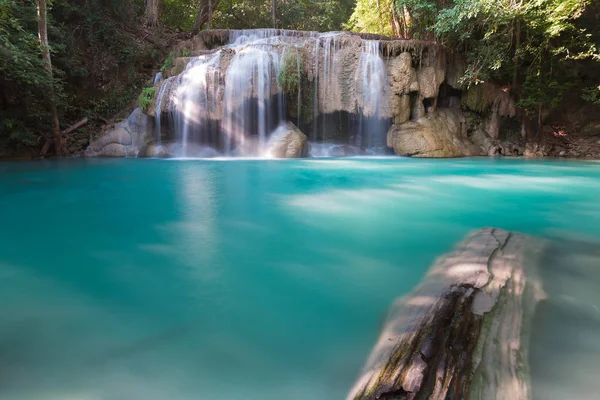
x=247, y=103
x=372, y=80
x=231, y=99
x=158, y=111
x=316, y=91
x=157, y=78
x=327, y=82
x=195, y=99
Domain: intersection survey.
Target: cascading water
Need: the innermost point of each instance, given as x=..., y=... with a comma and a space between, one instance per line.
x=231, y=99
x=247, y=104
x=329, y=49
x=196, y=101
x=160, y=96
x=158, y=77
x=372, y=79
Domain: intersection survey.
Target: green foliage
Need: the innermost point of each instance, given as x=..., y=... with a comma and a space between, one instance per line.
x=18, y=133
x=96, y=59
x=115, y=99
x=541, y=89
x=146, y=97
x=528, y=44
x=24, y=83
x=591, y=94
x=291, y=77
x=372, y=16
x=310, y=15
x=289, y=72
x=178, y=15
x=474, y=98
x=168, y=63
x=185, y=52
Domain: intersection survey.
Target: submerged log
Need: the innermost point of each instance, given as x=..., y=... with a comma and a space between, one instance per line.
x=464, y=332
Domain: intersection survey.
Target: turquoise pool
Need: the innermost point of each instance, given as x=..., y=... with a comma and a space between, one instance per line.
x=240, y=279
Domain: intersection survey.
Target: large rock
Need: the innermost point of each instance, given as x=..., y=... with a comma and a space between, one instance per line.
x=114, y=150
x=123, y=139
x=287, y=142
x=140, y=126
x=442, y=133
x=119, y=134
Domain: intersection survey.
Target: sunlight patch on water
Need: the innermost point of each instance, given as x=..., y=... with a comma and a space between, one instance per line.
x=517, y=182
x=347, y=201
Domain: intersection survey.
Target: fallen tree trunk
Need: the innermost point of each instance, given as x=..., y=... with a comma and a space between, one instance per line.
x=75, y=126
x=50, y=140
x=464, y=332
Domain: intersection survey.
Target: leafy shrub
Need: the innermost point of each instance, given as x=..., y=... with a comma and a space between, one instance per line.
x=146, y=97
x=168, y=63
x=591, y=94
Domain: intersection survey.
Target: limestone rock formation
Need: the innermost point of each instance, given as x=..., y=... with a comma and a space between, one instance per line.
x=402, y=79
x=464, y=332
x=124, y=138
x=331, y=69
x=119, y=135
x=442, y=133
x=229, y=89
x=287, y=142
x=114, y=150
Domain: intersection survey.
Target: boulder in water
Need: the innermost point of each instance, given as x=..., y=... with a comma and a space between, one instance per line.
x=124, y=138
x=140, y=126
x=119, y=134
x=287, y=142
x=438, y=134
x=113, y=150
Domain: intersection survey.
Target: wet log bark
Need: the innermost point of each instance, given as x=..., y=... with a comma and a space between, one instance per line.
x=464, y=332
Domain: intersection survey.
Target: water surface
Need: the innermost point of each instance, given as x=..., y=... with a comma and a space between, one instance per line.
x=247, y=279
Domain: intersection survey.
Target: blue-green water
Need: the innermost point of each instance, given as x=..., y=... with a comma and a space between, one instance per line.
x=239, y=279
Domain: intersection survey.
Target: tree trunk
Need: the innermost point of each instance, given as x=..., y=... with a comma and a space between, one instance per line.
x=516, y=56
x=204, y=15
x=43, y=36
x=274, y=13
x=151, y=14
x=406, y=19
x=395, y=22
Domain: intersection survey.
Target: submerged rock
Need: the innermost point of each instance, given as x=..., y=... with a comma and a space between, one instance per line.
x=346, y=151
x=464, y=332
x=287, y=142
x=153, y=150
